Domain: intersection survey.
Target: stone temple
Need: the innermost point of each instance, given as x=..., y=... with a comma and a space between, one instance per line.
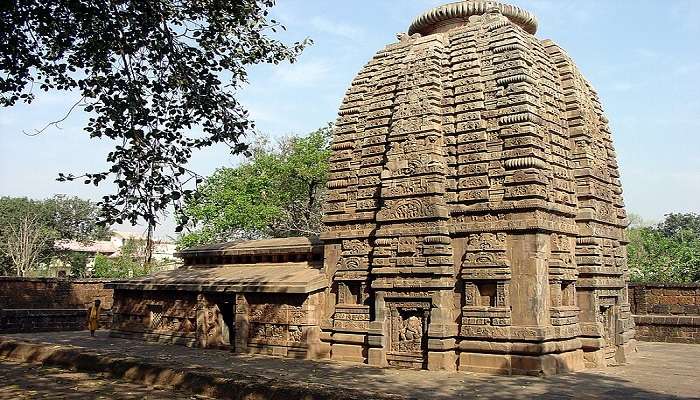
x=474, y=221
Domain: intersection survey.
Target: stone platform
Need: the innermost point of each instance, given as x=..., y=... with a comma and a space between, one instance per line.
x=658, y=371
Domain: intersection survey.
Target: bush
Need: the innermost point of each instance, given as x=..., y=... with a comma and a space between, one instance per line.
x=129, y=263
x=666, y=252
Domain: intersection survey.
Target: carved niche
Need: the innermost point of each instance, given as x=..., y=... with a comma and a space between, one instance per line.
x=409, y=326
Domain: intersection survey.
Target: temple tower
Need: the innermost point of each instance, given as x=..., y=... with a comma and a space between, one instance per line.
x=474, y=217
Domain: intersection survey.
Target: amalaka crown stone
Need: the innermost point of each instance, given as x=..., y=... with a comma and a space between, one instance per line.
x=458, y=13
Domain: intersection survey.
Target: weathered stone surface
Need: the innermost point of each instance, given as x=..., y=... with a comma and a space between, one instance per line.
x=666, y=312
x=498, y=219
x=43, y=320
x=260, y=296
x=46, y=293
x=50, y=304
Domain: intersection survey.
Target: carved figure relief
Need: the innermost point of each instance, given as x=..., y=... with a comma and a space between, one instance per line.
x=408, y=327
x=273, y=334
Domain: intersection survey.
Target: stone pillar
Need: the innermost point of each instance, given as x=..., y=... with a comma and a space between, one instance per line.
x=242, y=324
x=529, y=284
x=201, y=321
x=442, y=332
x=378, y=331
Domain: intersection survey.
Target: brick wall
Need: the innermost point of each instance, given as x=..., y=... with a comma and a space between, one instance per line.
x=50, y=304
x=36, y=293
x=43, y=320
x=666, y=312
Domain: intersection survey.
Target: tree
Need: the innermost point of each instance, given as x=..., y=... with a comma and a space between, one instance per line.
x=59, y=217
x=26, y=243
x=78, y=262
x=128, y=264
x=74, y=218
x=666, y=252
x=676, y=223
x=277, y=192
x=157, y=77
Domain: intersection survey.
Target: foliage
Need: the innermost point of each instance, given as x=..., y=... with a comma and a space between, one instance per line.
x=74, y=218
x=78, y=261
x=25, y=243
x=102, y=266
x=59, y=217
x=128, y=264
x=675, y=223
x=666, y=252
x=158, y=78
x=277, y=192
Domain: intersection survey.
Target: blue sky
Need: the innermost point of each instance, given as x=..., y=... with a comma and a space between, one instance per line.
x=642, y=56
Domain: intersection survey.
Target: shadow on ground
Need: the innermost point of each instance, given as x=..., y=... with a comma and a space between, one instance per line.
x=659, y=371
x=26, y=381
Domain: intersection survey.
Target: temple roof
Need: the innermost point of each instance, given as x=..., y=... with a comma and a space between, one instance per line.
x=270, y=278
x=255, y=247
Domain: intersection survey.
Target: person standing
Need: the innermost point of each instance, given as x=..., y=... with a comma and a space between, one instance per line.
x=93, y=317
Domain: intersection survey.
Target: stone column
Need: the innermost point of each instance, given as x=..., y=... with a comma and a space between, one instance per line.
x=201, y=321
x=242, y=324
x=378, y=331
x=529, y=287
x=442, y=332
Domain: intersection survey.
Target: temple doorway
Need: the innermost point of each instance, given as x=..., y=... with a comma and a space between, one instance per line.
x=226, y=322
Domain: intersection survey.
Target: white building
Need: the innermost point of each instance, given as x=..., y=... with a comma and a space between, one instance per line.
x=163, y=250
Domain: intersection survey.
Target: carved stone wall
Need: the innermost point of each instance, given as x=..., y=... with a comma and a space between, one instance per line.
x=278, y=324
x=275, y=324
x=473, y=191
x=162, y=316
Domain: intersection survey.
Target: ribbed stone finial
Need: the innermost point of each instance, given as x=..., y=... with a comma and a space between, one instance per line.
x=452, y=13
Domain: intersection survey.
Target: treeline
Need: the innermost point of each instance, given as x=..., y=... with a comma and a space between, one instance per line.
x=29, y=228
x=668, y=251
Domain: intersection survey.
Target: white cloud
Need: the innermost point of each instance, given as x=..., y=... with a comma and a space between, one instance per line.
x=303, y=73
x=623, y=86
x=344, y=30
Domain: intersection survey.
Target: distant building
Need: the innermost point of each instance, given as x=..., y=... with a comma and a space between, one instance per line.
x=163, y=250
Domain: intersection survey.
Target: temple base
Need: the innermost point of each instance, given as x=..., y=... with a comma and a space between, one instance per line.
x=604, y=357
x=512, y=364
